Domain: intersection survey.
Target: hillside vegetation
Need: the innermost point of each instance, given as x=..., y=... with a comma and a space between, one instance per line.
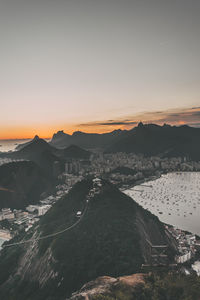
x=109, y=240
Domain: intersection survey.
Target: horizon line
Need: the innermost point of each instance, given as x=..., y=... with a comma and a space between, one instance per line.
x=106, y=131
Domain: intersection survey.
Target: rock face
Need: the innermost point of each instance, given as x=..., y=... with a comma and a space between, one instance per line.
x=21, y=184
x=163, y=285
x=109, y=239
x=103, y=286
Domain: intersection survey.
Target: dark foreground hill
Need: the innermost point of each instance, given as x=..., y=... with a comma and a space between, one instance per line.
x=21, y=184
x=109, y=239
x=166, y=140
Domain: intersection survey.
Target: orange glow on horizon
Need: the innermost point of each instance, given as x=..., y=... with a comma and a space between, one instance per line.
x=173, y=117
x=46, y=133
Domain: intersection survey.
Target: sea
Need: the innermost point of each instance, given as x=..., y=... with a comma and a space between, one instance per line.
x=10, y=145
x=174, y=198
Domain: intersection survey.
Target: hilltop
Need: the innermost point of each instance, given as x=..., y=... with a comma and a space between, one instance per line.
x=109, y=239
x=21, y=146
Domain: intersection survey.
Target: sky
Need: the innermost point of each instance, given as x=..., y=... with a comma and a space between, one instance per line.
x=97, y=66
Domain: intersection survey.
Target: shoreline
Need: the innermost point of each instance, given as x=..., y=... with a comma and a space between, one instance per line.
x=152, y=178
x=139, y=183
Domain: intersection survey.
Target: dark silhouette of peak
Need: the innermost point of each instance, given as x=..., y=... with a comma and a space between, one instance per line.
x=36, y=137
x=86, y=140
x=140, y=125
x=21, y=146
x=166, y=125
x=37, y=145
x=166, y=140
x=77, y=133
x=60, y=134
x=43, y=154
x=75, y=152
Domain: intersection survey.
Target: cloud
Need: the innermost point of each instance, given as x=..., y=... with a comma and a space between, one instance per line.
x=109, y=123
x=197, y=107
x=190, y=116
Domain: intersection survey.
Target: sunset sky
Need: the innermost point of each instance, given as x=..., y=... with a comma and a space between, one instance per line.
x=97, y=66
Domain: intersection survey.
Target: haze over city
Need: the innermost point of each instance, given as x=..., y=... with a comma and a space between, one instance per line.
x=97, y=66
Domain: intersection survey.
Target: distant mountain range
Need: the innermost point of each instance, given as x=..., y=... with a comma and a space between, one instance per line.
x=86, y=140
x=148, y=139
x=166, y=140
x=111, y=238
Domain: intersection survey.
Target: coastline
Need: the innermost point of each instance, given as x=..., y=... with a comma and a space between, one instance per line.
x=151, y=178
x=183, y=227
x=141, y=181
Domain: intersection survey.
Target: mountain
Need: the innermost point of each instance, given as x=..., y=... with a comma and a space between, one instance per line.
x=75, y=152
x=45, y=155
x=111, y=237
x=147, y=139
x=36, y=146
x=21, y=146
x=21, y=184
x=166, y=140
x=85, y=140
x=40, y=152
x=60, y=139
x=165, y=286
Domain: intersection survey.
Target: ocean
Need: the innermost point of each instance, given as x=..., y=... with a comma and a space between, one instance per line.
x=174, y=198
x=10, y=145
